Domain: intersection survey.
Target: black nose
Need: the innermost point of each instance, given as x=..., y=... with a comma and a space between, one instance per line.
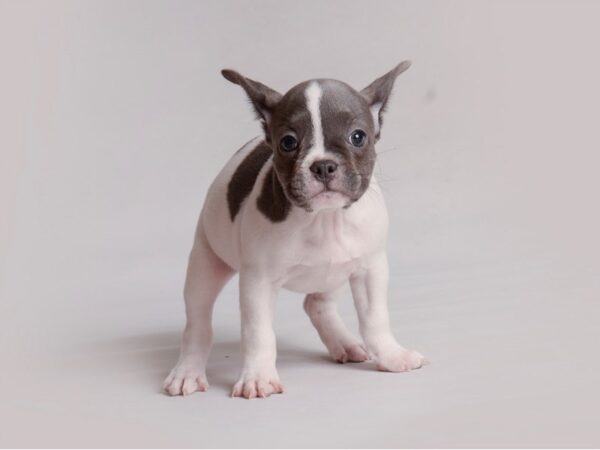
x=323, y=169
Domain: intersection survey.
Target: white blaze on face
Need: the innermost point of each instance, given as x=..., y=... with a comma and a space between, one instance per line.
x=315, y=189
x=313, y=102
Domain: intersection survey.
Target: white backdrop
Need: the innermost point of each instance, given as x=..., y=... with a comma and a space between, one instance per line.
x=113, y=121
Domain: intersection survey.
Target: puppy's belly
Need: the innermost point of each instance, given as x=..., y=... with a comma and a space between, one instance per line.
x=319, y=278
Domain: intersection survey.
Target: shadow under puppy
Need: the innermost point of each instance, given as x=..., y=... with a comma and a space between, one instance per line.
x=297, y=208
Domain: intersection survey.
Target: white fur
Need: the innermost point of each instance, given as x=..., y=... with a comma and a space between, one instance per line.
x=313, y=253
x=313, y=95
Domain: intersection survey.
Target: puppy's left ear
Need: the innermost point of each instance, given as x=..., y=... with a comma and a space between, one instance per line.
x=263, y=98
x=378, y=93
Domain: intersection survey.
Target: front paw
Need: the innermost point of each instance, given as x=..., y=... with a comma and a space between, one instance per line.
x=257, y=384
x=400, y=360
x=186, y=377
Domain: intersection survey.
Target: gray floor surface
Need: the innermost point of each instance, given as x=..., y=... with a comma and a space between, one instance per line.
x=488, y=160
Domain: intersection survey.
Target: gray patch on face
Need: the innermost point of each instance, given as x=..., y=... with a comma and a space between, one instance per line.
x=344, y=110
x=292, y=116
x=272, y=201
x=244, y=177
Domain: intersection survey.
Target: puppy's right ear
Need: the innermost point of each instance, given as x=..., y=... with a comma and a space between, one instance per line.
x=263, y=98
x=378, y=93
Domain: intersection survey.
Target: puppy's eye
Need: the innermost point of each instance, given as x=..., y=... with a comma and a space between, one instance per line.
x=288, y=143
x=358, y=138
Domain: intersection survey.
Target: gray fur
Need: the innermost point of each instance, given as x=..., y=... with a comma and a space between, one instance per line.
x=244, y=177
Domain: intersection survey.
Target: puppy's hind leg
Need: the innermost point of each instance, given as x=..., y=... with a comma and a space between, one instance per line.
x=340, y=342
x=206, y=276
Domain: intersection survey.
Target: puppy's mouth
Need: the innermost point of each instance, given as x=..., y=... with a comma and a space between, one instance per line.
x=328, y=198
x=327, y=192
x=311, y=195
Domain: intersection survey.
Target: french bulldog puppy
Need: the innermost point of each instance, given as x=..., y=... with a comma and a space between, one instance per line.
x=297, y=208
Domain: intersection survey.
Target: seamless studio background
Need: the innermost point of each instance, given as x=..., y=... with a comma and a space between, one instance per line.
x=114, y=119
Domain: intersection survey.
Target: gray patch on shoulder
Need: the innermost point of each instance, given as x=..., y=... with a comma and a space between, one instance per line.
x=244, y=177
x=272, y=201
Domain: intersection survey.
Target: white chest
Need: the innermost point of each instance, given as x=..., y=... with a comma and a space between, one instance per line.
x=312, y=252
x=324, y=255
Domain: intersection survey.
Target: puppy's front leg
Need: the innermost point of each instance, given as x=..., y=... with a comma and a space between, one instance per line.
x=369, y=289
x=259, y=377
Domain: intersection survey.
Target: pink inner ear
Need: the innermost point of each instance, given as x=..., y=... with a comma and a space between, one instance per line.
x=375, y=108
x=267, y=116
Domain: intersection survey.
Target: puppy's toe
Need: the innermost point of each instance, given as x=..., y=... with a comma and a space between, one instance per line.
x=189, y=385
x=357, y=353
x=174, y=387
x=349, y=352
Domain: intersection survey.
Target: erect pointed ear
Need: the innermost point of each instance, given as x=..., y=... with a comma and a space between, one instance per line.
x=378, y=93
x=263, y=98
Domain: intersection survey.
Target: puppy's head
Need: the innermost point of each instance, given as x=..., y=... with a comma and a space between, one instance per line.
x=323, y=135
